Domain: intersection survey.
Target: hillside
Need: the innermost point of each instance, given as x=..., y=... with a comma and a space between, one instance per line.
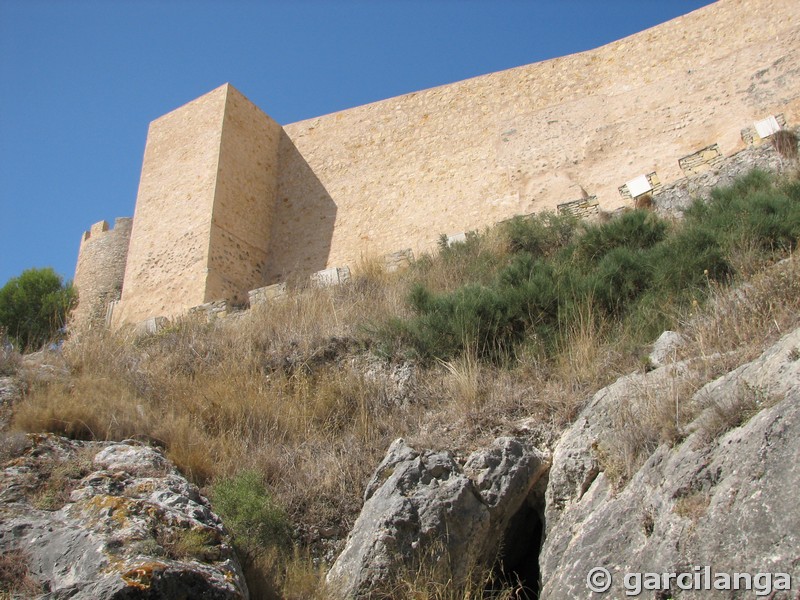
x=509, y=335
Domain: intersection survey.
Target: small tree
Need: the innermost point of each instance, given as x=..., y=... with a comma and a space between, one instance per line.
x=34, y=307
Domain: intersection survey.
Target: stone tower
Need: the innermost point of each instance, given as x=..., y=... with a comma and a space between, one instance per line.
x=100, y=271
x=204, y=208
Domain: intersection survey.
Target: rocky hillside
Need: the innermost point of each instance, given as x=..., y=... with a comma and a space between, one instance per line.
x=722, y=495
x=498, y=421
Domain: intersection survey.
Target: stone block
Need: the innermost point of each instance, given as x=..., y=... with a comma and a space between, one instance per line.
x=653, y=181
x=583, y=208
x=211, y=310
x=750, y=134
x=152, y=325
x=701, y=161
x=265, y=294
x=457, y=238
x=332, y=276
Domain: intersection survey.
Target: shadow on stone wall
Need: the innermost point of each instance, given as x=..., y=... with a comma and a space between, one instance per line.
x=305, y=213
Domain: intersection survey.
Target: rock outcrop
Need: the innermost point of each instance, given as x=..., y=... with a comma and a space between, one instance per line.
x=103, y=520
x=425, y=506
x=725, y=497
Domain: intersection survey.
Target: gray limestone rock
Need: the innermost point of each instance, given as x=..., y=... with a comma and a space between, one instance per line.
x=102, y=520
x=665, y=348
x=726, y=501
x=423, y=506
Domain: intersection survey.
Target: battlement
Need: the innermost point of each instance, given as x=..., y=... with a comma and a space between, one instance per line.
x=122, y=226
x=230, y=201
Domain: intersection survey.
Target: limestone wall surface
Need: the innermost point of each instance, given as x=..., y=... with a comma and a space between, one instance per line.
x=100, y=271
x=398, y=173
x=244, y=199
x=168, y=255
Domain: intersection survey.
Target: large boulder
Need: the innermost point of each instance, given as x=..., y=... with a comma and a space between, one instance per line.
x=423, y=507
x=724, y=498
x=100, y=520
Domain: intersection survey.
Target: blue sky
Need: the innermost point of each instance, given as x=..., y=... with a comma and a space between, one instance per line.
x=80, y=80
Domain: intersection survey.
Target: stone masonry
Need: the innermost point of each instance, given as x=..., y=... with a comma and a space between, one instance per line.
x=230, y=201
x=100, y=271
x=204, y=208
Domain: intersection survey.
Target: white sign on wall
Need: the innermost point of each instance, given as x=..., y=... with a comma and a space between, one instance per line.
x=456, y=238
x=638, y=186
x=766, y=127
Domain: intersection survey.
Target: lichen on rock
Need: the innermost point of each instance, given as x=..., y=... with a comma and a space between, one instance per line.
x=97, y=520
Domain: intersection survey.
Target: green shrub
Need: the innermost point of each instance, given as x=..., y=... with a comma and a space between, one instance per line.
x=636, y=272
x=689, y=260
x=637, y=230
x=470, y=260
x=620, y=278
x=247, y=509
x=34, y=307
x=474, y=316
x=754, y=209
x=540, y=235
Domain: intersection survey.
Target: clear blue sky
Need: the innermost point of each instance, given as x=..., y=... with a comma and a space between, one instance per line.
x=80, y=81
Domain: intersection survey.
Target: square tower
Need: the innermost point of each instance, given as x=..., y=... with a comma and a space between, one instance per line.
x=204, y=208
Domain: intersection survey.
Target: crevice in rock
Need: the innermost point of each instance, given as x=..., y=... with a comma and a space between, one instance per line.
x=522, y=542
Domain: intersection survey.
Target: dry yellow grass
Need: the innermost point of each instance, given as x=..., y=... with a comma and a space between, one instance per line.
x=290, y=389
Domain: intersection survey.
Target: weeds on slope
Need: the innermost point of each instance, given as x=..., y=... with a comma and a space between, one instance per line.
x=512, y=330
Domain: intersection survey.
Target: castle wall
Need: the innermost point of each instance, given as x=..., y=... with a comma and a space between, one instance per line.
x=204, y=208
x=168, y=256
x=397, y=173
x=229, y=201
x=247, y=178
x=99, y=272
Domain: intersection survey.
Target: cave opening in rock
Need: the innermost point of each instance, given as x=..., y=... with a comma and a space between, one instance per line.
x=522, y=542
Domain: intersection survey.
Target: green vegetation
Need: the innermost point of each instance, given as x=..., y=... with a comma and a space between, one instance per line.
x=34, y=307
x=633, y=274
x=255, y=519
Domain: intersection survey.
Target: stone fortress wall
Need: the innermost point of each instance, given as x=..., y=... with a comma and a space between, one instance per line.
x=462, y=156
x=203, y=210
x=229, y=198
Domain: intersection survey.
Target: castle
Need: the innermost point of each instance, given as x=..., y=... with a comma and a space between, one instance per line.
x=230, y=201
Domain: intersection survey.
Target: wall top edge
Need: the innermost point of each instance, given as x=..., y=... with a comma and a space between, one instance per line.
x=698, y=13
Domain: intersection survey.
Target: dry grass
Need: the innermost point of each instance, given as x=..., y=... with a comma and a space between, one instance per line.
x=10, y=359
x=785, y=142
x=692, y=506
x=432, y=577
x=745, y=319
x=656, y=411
x=465, y=381
x=723, y=414
x=15, y=578
x=290, y=390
